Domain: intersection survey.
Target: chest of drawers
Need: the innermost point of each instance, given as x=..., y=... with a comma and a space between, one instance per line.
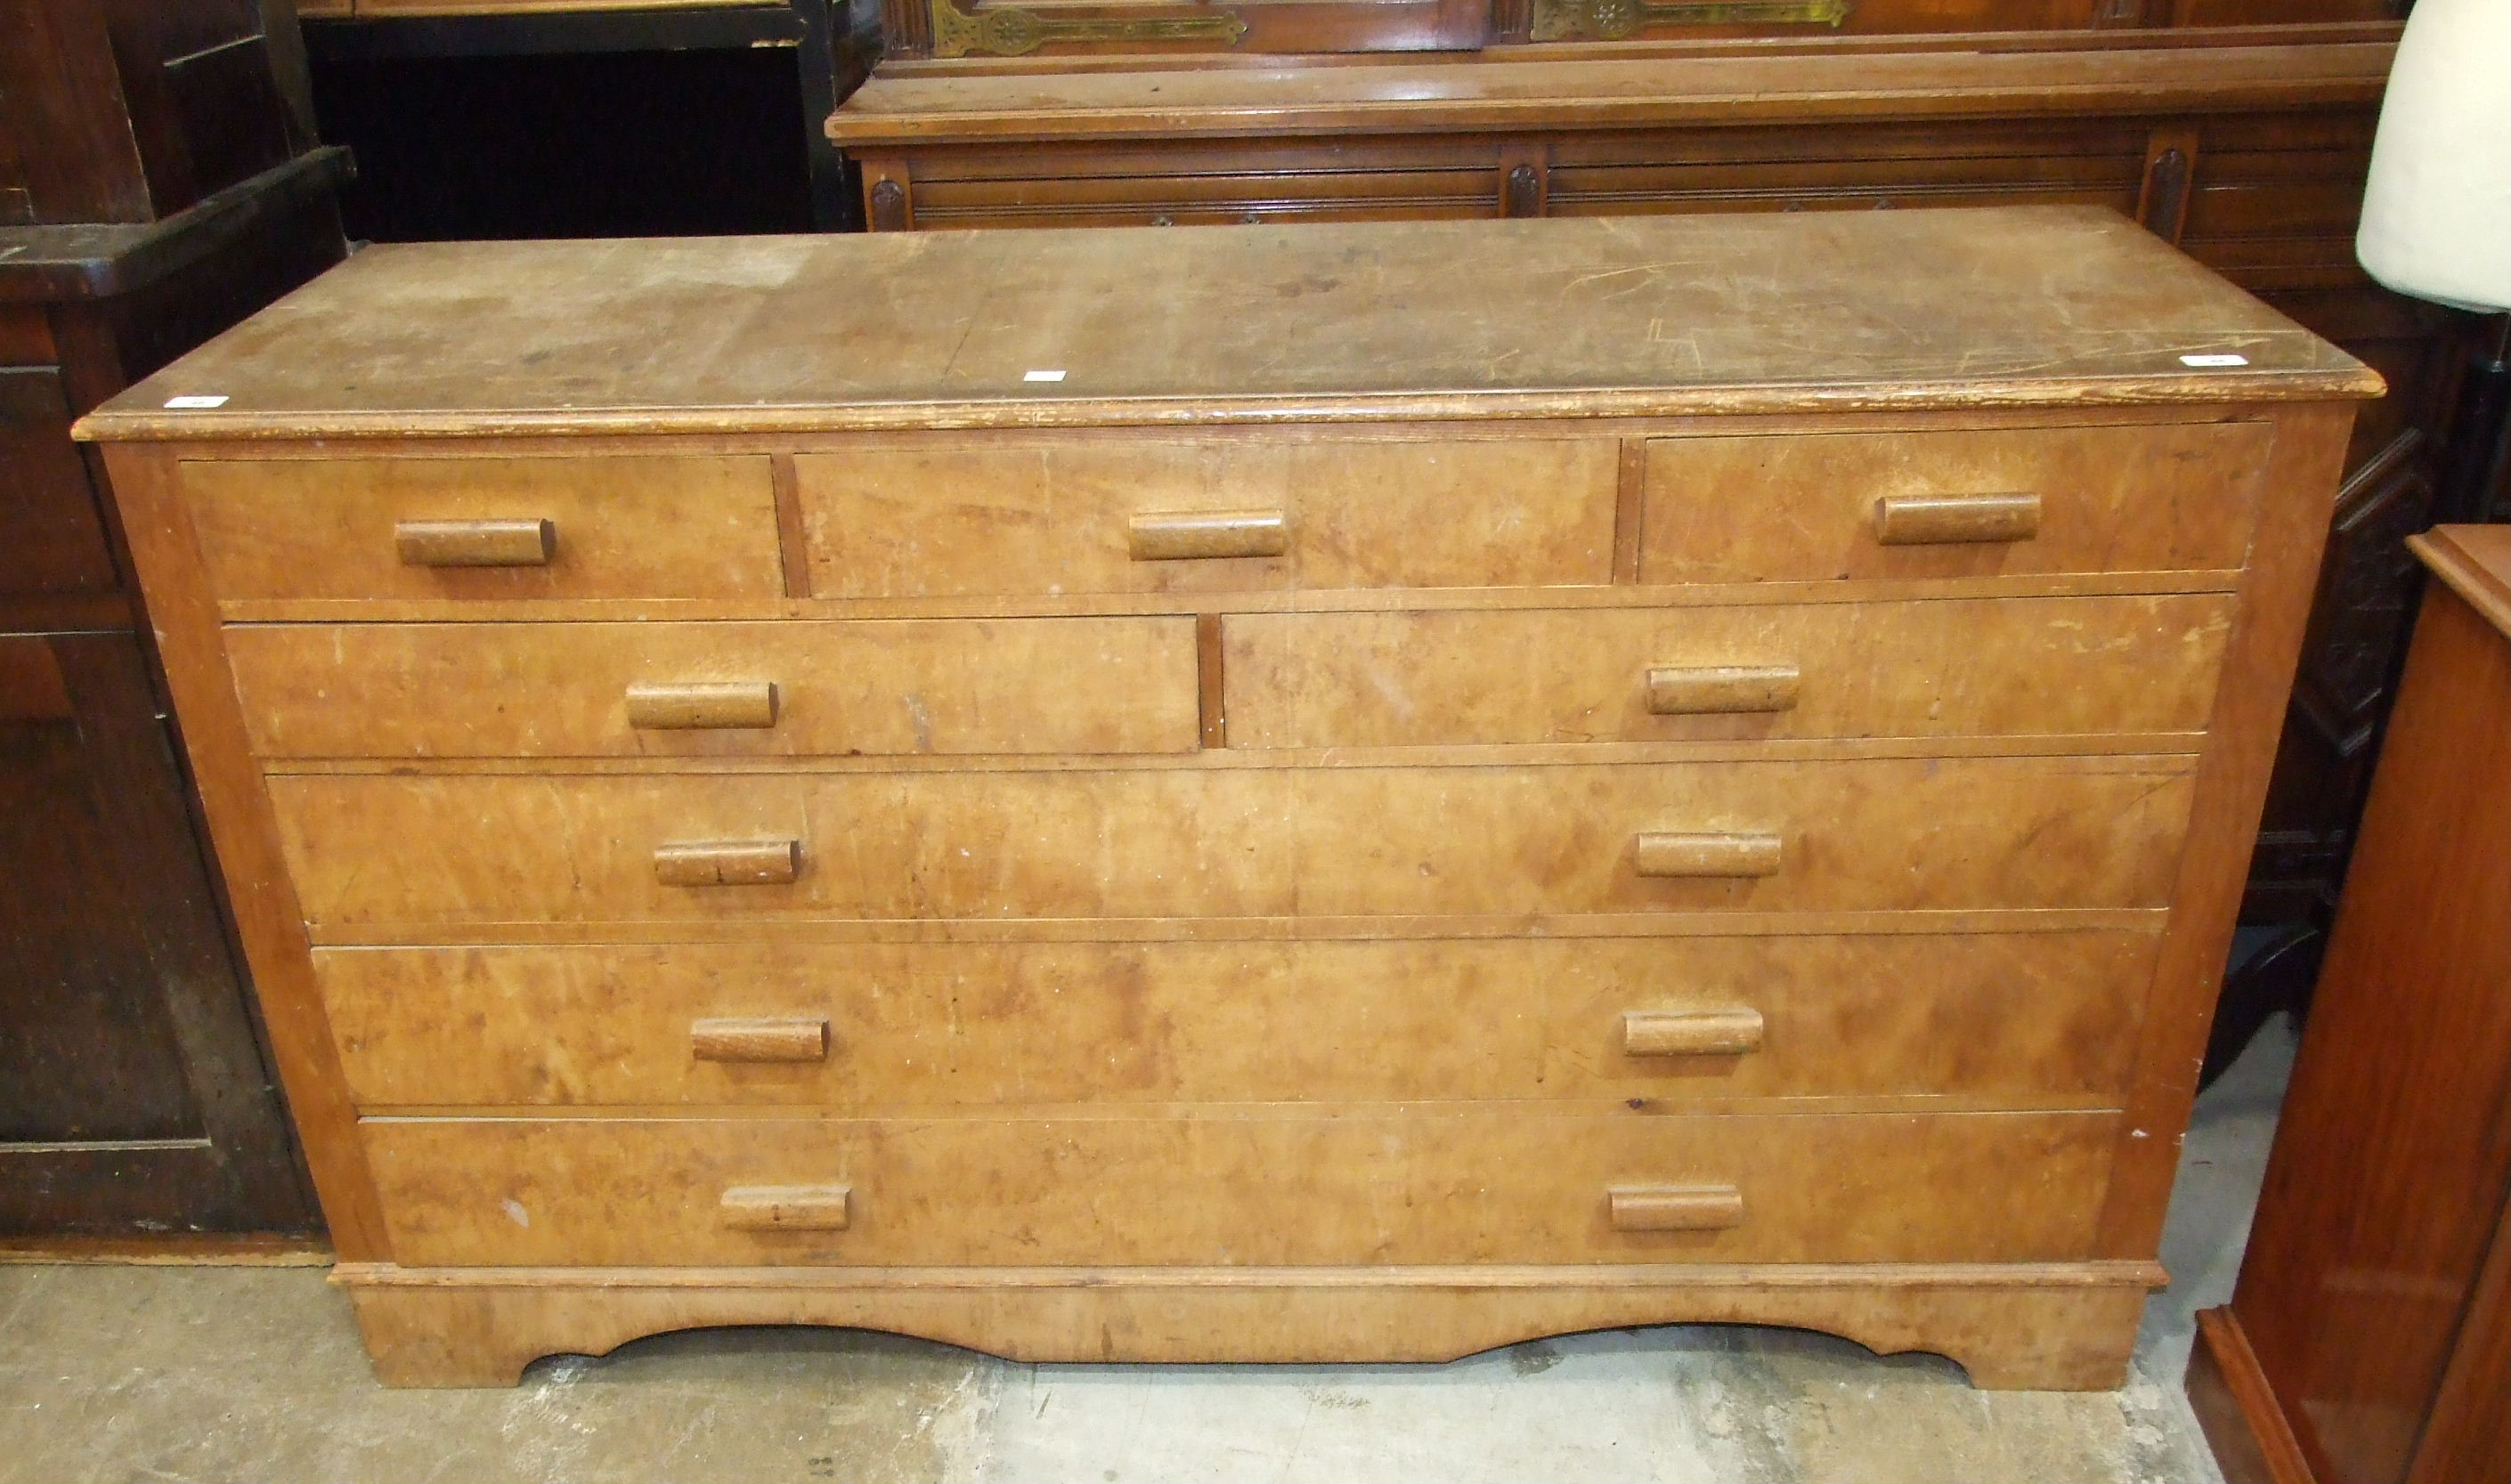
x=1237, y=796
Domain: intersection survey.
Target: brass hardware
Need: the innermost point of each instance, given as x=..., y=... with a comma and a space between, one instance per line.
x=1016, y=33
x=1614, y=19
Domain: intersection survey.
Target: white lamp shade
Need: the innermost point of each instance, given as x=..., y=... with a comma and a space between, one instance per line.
x=2437, y=215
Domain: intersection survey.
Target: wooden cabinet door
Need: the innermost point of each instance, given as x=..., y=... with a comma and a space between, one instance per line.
x=134, y=1098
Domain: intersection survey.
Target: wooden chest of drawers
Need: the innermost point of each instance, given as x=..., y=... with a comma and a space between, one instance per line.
x=1119, y=795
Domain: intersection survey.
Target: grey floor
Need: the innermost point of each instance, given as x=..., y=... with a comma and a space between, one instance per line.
x=116, y=1373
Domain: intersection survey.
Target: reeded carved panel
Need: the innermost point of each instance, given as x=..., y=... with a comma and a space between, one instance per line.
x=2366, y=587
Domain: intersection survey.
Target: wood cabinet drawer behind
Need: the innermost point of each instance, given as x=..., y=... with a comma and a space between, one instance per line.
x=1999, y=667
x=1248, y=842
x=674, y=689
x=1508, y=1184
x=1963, y=502
x=1083, y=516
x=2026, y=1016
x=487, y=529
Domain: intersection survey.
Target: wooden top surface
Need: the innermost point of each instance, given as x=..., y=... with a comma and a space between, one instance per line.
x=2475, y=561
x=939, y=102
x=1633, y=316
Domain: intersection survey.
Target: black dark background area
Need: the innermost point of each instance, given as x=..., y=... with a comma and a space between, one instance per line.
x=609, y=144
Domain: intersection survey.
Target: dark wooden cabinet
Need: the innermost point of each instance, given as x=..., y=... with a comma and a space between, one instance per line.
x=155, y=186
x=2366, y=1342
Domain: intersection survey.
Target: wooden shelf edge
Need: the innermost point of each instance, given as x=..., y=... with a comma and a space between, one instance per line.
x=2237, y=1409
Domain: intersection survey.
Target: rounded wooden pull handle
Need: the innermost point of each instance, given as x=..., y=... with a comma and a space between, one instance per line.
x=702, y=706
x=786, y=1207
x=1676, y=1207
x=1680, y=856
x=727, y=863
x=1920, y=520
x=1716, y=689
x=475, y=543
x=762, y=1038
x=1193, y=535
x=1692, y=1032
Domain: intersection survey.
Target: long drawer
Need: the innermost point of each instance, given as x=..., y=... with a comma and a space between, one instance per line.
x=1797, y=507
x=1234, y=842
x=1943, y=669
x=2020, y=1015
x=1516, y=1183
x=1117, y=516
x=488, y=529
x=669, y=688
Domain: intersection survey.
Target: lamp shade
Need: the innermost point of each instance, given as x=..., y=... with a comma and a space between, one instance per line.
x=2437, y=215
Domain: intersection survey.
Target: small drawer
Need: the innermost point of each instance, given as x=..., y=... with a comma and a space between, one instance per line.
x=1082, y=517
x=1958, y=667
x=1883, y=835
x=1516, y=1183
x=729, y=690
x=487, y=528
x=1964, y=502
x=2024, y=1016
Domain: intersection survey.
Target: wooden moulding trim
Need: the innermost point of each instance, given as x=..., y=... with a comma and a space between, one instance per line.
x=2253, y=1441
x=1913, y=1275
x=2445, y=551
x=2349, y=383
x=1611, y=94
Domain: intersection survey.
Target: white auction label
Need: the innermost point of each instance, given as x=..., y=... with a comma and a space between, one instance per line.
x=1043, y=377
x=2202, y=361
x=196, y=401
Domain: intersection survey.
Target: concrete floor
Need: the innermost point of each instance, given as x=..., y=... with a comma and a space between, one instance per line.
x=114, y=1374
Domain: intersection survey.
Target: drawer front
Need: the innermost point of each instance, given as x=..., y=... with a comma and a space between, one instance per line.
x=1516, y=1184
x=2022, y=1015
x=1952, y=504
x=1945, y=668
x=487, y=528
x=665, y=689
x=1124, y=516
x=1883, y=835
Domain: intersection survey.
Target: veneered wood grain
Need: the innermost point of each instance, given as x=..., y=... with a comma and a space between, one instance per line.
x=624, y=525
x=2038, y=1326
x=560, y=690
x=1057, y=518
x=268, y=918
x=2024, y=1016
x=1309, y=323
x=1478, y=1184
x=1992, y=668
x=2111, y=498
x=1885, y=834
x=2392, y=1164
x=2300, y=486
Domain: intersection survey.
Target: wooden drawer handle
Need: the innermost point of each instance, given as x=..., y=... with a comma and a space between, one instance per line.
x=786, y=1207
x=702, y=706
x=1676, y=1207
x=1919, y=520
x=1684, y=691
x=1692, y=1032
x=475, y=543
x=1679, y=855
x=727, y=863
x=1192, y=535
x=765, y=1038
